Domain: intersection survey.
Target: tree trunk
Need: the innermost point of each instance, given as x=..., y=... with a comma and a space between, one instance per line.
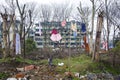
x=91, y=35
x=108, y=30
x=113, y=60
x=13, y=34
x=4, y=17
x=98, y=36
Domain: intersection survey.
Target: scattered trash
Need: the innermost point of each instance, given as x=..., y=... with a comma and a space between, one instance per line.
x=60, y=64
x=56, y=49
x=11, y=79
x=68, y=74
x=83, y=77
x=17, y=79
x=77, y=74
x=28, y=68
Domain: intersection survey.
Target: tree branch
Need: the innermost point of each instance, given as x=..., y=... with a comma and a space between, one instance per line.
x=18, y=7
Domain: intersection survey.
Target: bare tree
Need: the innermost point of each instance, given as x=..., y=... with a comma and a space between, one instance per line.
x=7, y=14
x=96, y=5
x=27, y=13
x=45, y=16
x=4, y=26
x=31, y=14
x=21, y=10
x=62, y=11
x=12, y=8
x=108, y=28
x=45, y=12
x=91, y=35
x=84, y=14
x=98, y=35
x=112, y=17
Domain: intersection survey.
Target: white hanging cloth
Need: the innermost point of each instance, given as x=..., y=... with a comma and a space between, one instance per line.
x=18, y=45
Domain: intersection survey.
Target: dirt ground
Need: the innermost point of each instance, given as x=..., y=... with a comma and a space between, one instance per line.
x=45, y=72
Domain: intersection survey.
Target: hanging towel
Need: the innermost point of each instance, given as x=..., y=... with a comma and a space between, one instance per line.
x=18, y=46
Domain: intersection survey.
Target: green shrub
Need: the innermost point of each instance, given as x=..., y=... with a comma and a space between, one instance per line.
x=3, y=75
x=30, y=45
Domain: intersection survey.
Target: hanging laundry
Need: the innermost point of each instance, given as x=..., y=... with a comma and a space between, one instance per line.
x=58, y=37
x=73, y=27
x=105, y=45
x=55, y=36
x=63, y=23
x=85, y=40
x=40, y=29
x=54, y=31
x=83, y=27
x=18, y=45
x=75, y=34
x=87, y=47
x=86, y=44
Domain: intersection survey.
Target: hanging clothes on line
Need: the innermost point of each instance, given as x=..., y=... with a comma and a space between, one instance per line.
x=83, y=28
x=63, y=23
x=105, y=45
x=54, y=31
x=18, y=45
x=86, y=44
x=55, y=36
x=73, y=27
x=75, y=34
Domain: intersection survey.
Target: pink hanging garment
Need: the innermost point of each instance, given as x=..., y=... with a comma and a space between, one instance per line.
x=58, y=37
x=105, y=45
x=54, y=31
x=63, y=23
x=53, y=37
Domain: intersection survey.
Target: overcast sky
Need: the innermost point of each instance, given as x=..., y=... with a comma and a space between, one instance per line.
x=75, y=2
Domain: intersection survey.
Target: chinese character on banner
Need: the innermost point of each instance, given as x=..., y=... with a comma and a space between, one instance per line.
x=63, y=23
